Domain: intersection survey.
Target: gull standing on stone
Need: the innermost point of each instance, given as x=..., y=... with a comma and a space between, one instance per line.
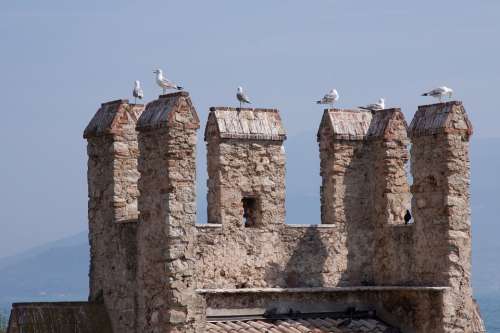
x=331, y=97
x=242, y=97
x=375, y=106
x=163, y=82
x=138, y=93
x=439, y=93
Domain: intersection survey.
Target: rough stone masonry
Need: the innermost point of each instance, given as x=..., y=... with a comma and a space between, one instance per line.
x=361, y=269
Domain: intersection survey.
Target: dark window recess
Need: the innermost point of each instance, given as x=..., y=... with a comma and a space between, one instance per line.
x=249, y=211
x=408, y=218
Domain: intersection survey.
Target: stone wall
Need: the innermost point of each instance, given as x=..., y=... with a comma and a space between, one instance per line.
x=365, y=191
x=391, y=198
x=248, y=169
x=167, y=141
x=441, y=204
x=112, y=210
x=282, y=256
x=246, y=161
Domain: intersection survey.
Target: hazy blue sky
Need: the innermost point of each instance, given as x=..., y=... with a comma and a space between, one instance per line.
x=61, y=59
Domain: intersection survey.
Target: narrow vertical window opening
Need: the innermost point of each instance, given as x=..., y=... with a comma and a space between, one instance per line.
x=249, y=211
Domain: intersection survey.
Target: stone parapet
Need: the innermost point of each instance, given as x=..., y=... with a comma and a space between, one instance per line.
x=246, y=167
x=112, y=209
x=441, y=205
x=391, y=197
x=364, y=188
x=166, y=231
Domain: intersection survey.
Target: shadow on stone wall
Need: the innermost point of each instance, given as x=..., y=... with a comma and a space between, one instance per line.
x=359, y=226
x=306, y=265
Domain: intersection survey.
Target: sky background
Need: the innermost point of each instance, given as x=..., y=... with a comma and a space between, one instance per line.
x=60, y=59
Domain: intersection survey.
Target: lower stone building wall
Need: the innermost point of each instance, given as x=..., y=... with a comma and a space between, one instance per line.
x=412, y=310
x=60, y=317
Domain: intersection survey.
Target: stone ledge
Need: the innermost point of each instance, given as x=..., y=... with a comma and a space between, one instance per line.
x=209, y=225
x=62, y=303
x=319, y=290
x=312, y=225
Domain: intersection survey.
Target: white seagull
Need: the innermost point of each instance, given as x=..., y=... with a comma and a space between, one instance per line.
x=163, y=82
x=375, y=106
x=242, y=97
x=440, y=93
x=138, y=93
x=331, y=97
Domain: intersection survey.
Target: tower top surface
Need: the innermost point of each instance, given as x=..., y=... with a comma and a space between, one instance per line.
x=245, y=123
x=160, y=112
x=447, y=117
x=355, y=124
x=111, y=117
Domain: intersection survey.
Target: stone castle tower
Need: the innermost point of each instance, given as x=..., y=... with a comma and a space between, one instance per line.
x=361, y=269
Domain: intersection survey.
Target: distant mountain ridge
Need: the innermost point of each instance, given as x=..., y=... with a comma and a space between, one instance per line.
x=54, y=271
x=78, y=239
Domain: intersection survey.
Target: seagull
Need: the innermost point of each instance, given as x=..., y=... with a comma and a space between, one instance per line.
x=242, y=97
x=163, y=82
x=138, y=93
x=331, y=97
x=375, y=106
x=440, y=93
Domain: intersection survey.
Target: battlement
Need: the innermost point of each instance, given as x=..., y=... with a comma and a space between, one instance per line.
x=362, y=239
